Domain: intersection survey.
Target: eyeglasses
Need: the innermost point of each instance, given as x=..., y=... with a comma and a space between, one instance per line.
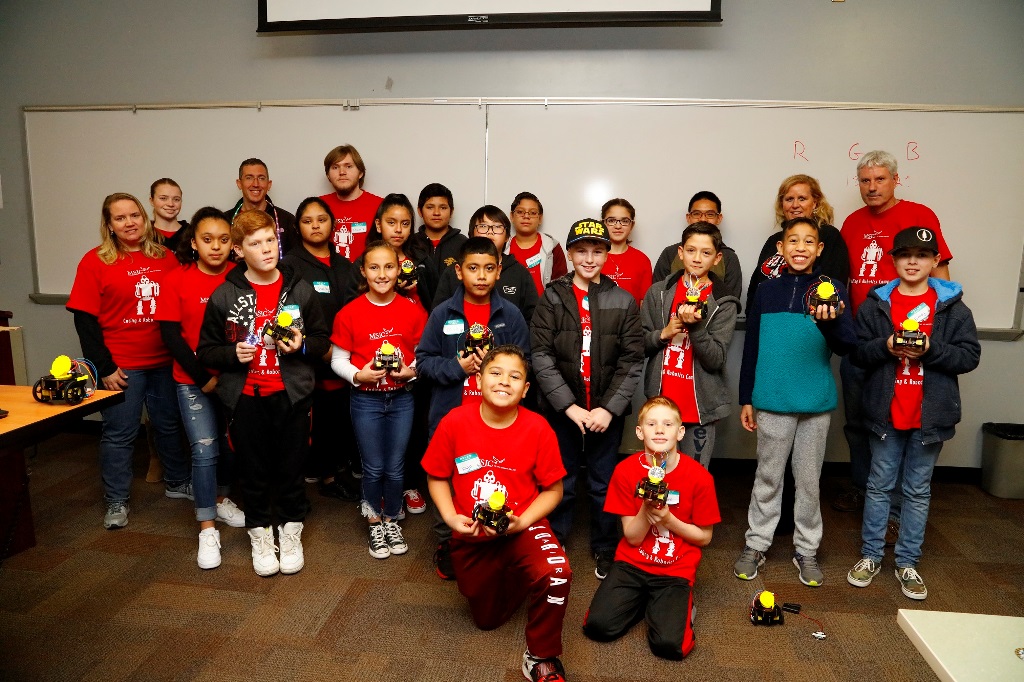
x=484, y=228
x=526, y=214
x=704, y=215
x=250, y=178
x=612, y=222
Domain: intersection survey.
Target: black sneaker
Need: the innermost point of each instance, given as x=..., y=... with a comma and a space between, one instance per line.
x=340, y=489
x=443, y=561
x=603, y=563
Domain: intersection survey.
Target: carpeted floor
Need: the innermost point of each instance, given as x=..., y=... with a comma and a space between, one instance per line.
x=90, y=604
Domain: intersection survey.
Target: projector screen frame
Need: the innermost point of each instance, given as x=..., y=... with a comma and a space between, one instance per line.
x=464, y=21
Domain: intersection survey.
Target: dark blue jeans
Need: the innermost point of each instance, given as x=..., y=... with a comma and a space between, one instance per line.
x=600, y=453
x=206, y=431
x=382, y=421
x=154, y=388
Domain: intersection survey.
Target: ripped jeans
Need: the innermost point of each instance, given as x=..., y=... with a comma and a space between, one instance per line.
x=211, y=455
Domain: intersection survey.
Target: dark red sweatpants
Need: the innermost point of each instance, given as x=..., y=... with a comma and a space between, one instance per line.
x=497, y=575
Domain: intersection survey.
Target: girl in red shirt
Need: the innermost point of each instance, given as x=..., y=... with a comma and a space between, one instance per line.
x=628, y=266
x=204, y=250
x=375, y=338
x=115, y=298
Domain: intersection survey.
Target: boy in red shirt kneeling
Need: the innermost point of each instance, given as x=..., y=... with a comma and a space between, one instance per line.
x=656, y=560
x=497, y=451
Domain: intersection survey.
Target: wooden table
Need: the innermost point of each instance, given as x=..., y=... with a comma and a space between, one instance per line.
x=27, y=423
x=967, y=647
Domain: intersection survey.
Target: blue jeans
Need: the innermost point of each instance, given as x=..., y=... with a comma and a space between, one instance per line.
x=600, y=453
x=896, y=449
x=153, y=388
x=382, y=422
x=205, y=430
x=857, y=435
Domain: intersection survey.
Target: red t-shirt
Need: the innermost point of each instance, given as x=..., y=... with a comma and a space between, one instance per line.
x=264, y=370
x=475, y=314
x=908, y=392
x=583, y=305
x=691, y=498
x=631, y=271
x=362, y=327
x=518, y=460
x=187, y=291
x=124, y=297
x=531, y=260
x=677, y=370
x=869, y=239
x=352, y=220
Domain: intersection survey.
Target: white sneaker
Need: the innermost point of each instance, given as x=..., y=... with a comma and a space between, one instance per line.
x=264, y=552
x=289, y=536
x=229, y=513
x=209, y=548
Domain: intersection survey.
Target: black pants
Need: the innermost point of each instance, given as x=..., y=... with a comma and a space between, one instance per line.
x=332, y=443
x=629, y=595
x=271, y=437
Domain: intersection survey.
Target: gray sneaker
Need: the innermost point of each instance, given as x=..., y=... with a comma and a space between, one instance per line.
x=116, y=516
x=810, y=574
x=863, y=572
x=911, y=583
x=180, y=492
x=748, y=563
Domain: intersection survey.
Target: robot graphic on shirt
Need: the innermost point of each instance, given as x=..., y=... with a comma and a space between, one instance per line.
x=587, y=335
x=872, y=254
x=485, y=486
x=343, y=241
x=663, y=537
x=146, y=290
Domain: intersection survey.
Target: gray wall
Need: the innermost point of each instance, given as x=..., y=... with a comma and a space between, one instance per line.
x=121, y=51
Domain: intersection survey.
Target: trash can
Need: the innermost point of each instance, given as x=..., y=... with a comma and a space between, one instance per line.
x=1002, y=460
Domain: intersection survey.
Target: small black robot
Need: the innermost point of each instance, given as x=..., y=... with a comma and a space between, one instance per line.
x=822, y=293
x=764, y=610
x=407, y=274
x=909, y=335
x=700, y=308
x=653, y=488
x=495, y=514
x=66, y=381
x=479, y=336
x=387, y=357
x=281, y=329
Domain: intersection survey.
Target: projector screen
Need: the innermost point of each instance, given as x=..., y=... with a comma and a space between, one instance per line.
x=330, y=15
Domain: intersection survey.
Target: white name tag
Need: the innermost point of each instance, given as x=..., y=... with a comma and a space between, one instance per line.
x=322, y=287
x=452, y=327
x=467, y=463
x=358, y=228
x=294, y=311
x=673, y=497
x=533, y=261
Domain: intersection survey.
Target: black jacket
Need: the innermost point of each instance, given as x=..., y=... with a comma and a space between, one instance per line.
x=833, y=263
x=515, y=285
x=616, y=347
x=439, y=259
x=284, y=221
x=229, y=318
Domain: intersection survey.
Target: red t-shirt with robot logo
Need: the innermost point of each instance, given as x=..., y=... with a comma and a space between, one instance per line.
x=125, y=297
x=188, y=290
x=583, y=305
x=677, y=370
x=362, y=327
x=264, y=370
x=352, y=220
x=691, y=499
x=518, y=460
x=909, y=389
x=475, y=314
x=531, y=260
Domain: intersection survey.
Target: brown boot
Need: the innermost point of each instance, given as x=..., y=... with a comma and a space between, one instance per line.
x=156, y=470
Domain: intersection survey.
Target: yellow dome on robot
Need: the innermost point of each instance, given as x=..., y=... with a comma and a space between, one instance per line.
x=496, y=501
x=826, y=290
x=284, y=319
x=767, y=599
x=911, y=325
x=61, y=366
x=387, y=349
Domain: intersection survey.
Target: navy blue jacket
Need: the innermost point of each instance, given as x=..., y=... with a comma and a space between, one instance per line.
x=437, y=356
x=953, y=349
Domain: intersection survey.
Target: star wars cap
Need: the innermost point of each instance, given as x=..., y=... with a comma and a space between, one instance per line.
x=915, y=237
x=588, y=228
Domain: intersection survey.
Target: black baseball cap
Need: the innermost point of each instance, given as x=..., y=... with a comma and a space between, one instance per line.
x=915, y=238
x=588, y=229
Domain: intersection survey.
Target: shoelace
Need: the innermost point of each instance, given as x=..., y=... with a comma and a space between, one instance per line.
x=412, y=495
x=213, y=536
x=908, y=574
x=393, y=532
x=260, y=545
x=377, y=534
x=289, y=543
x=116, y=508
x=808, y=562
x=865, y=565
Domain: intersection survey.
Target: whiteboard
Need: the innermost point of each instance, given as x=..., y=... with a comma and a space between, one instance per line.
x=966, y=165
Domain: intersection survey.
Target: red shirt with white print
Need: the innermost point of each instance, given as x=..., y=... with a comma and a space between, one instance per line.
x=531, y=259
x=188, y=290
x=583, y=305
x=908, y=392
x=869, y=238
x=352, y=220
x=518, y=460
x=677, y=370
x=264, y=370
x=475, y=314
x=631, y=270
x=361, y=327
x=691, y=499
x=125, y=297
